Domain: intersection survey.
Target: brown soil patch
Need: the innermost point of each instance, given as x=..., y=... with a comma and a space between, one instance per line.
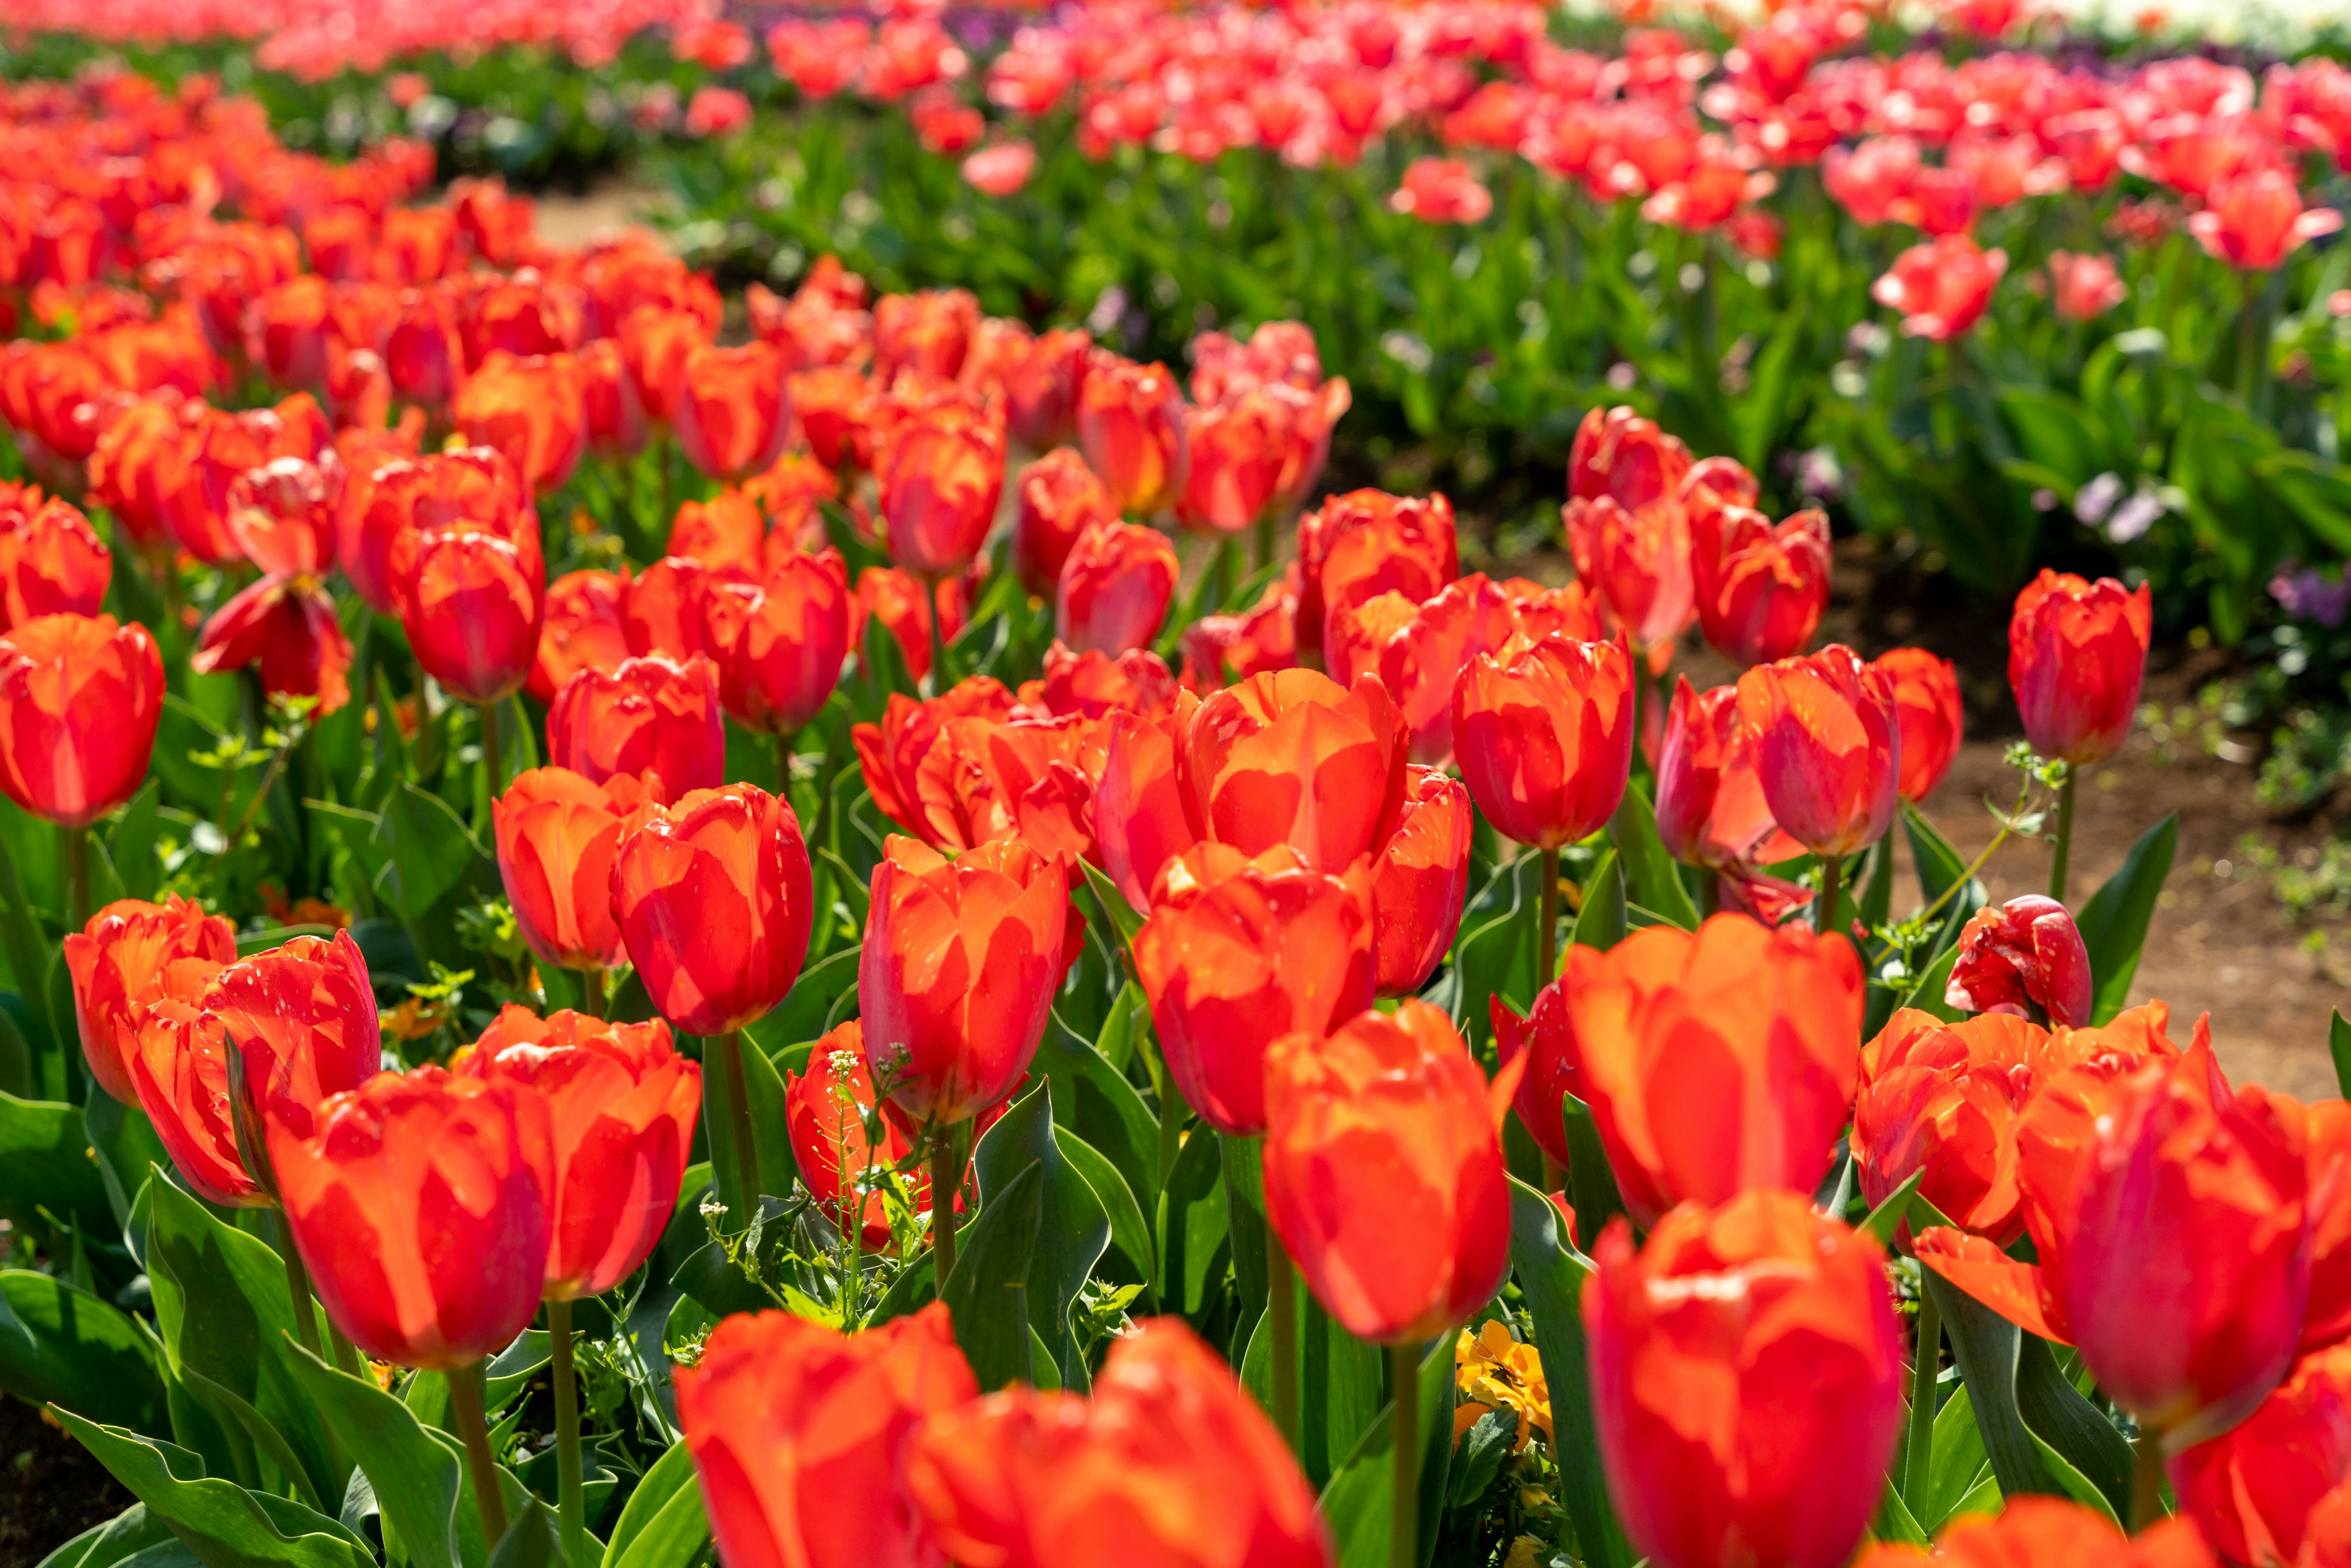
x=51, y=1489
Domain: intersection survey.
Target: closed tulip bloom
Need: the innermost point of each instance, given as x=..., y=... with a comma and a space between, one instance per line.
x=651, y=713
x=1060, y=500
x=81, y=697
x=1827, y=747
x=1355, y=547
x=1238, y=449
x=1239, y=952
x=1761, y=589
x=1130, y=427
x=178, y=1065
x=1944, y=1100
x=1746, y=1373
x=2025, y=956
x=422, y=1206
x=1638, y=565
x=1710, y=807
x=1419, y=881
x=2047, y=1529
x=663, y=610
x=1940, y=288
x=800, y=1435
x=582, y=629
x=713, y=897
x=1928, y=710
x=1140, y=820
x=941, y=475
x=729, y=408
x=615, y=415
x=1294, y=758
x=533, y=409
x=727, y=534
x=116, y=956
x=2252, y=1489
x=472, y=603
x=304, y=1016
x=422, y=351
x=2256, y=219
x=473, y=485
x=1546, y=1039
x=960, y=963
x=1544, y=732
x=1040, y=393
x=1418, y=650
x=780, y=642
x=1383, y=1172
x=620, y=1107
x=1115, y=587
x=1168, y=1462
x=2076, y=655
x=558, y=835
x=929, y=332
x=51, y=563
x=1717, y=1061
x=2083, y=288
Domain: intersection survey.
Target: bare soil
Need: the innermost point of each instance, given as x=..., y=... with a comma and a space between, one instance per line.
x=51, y=1489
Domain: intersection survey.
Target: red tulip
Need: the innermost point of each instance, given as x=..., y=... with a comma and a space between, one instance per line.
x=304, y=1018
x=713, y=896
x=471, y=487
x=472, y=603
x=51, y=563
x=422, y=351
x=966, y=768
x=729, y=408
x=116, y=956
x=1140, y=820
x=1358, y=546
x=961, y=960
x=780, y=642
x=1761, y=589
x=1420, y=880
x=904, y=607
x=1060, y=500
x=1041, y=390
x=1115, y=586
x=81, y=697
x=177, y=1064
x=1544, y=735
x=1546, y=1039
x=1293, y=757
x=1131, y=426
x=1944, y=1100
x=2083, y=288
x=663, y=610
x=1710, y=807
x=534, y=409
x=1383, y=1172
x=1442, y=191
x=614, y=414
x=2047, y=1529
x=799, y=1434
x=941, y=475
x=1239, y=952
x=2024, y=956
x=582, y=629
x=2252, y=1490
x=726, y=534
x=828, y=1111
x=1747, y=1374
x=1639, y=564
x=422, y=1207
x=286, y=623
x=2254, y=220
x=558, y=835
x=1826, y=745
x=621, y=1106
x=1094, y=686
x=1926, y=709
x=930, y=331
x=651, y=714
x=2076, y=655
x=1941, y=288
x=1237, y=448
x=1419, y=649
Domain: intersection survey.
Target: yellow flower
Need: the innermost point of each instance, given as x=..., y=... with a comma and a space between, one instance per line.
x=1495, y=1371
x=1526, y=1551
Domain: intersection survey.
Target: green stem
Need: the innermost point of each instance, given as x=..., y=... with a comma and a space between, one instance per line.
x=1709, y=892
x=784, y=766
x=465, y=1404
x=592, y=982
x=947, y=1177
x=1403, y=1520
x=1925, y=1364
x=567, y=1433
x=2146, y=1481
x=1281, y=1326
x=1554, y=1175
x=1547, y=920
x=298, y=1287
x=2057, y=862
x=1264, y=540
x=938, y=644
x=728, y=1048
x=74, y=845
x=1825, y=904
x=491, y=769
x=1228, y=571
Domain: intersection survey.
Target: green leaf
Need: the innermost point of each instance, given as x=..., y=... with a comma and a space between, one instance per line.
x=1074, y=1226
x=2114, y=923
x=988, y=1293
x=1927, y=993
x=2073, y=1483
x=1483, y=1449
x=800, y=1016
x=131, y=843
x=663, y=1480
x=60, y=1344
x=417, y=1476
x=529, y=1540
x=1960, y=1471
x=674, y=1536
x=1886, y=1219
x=2338, y=1046
x=1358, y=1501
x=1938, y=865
x=28, y=948
x=1338, y=1384
x=430, y=850
x=45, y=1164
x=1092, y=1099
x=1599, y=924
x=1894, y=1521
x=1123, y=917
x=223, y=1524
x=1496, y=958
x=2070, y=1425
x=1196, y=1239
x=102, y=1546
x=1985, y=1346
x=1590, y=1180
x=1129, y=1231
x=1651, y=880
x=1553, y=1281
x=1245, y=1221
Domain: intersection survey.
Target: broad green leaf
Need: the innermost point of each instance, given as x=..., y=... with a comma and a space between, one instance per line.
x=60, y=1344
x=529, y=1540
x=1886, y=1219
x=1092, y=1099
x=430, y=850
x=1338, y=1384
x=672, y=1537
x=45, y=1164
x=1961, y=1470
x=1599, y=924
x=1357, y=1502
x=2071, y=1483
x=2114, y=923
x=1894, y=1521
x=123, y=1143
x=223, y=1524
x=1482, y=1448
x=1123, y=917
x=800, y=1016
x=1927, y=993
x=1195, y=1233
x=1496, y=958
x=417, y=1476
x=1984, y=1344
x=1938, y=865
x=988, y=1293
x=1651, y=880
x=1590, y=1180
x=1873, y=886
x=1129, y=1231
x=1073, y=1227
x=103, y=1545
x=2338, y=1046
x=130, y=846
x=2059, y=1418
x=1553, y=1281
x=662, y=1479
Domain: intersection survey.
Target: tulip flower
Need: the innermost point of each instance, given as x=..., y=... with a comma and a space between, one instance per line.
x=1639, y=564
x=1943, y=1100
x=2076, y=655
x=662, y=612
x=729, y=408
x=1419, y=649
x=2025, y=956
x=1710, y=807
x=80, y=697
x=115, y=957
x=304, y=1018
x=2252, y=1491
x=1760, y=589
x=1755, y=1030
x=1222, y=649
x=966, y=768
x=1746, y=1382
x=1828, y=753
x=1041, y=392
x=1293, y=757
x=1140, y=820
x=1358, y=546
x=532, y=408
x=941, y=475
x=285, y=624
x=2255, y=219
x=557, y=834
x=614, y=415
x=827, y=1111
x=1115, y=586
x=1546, y=1039
x=1928, y=710
x=800, y=1435
x=907, y=609
x=929, y=332
x=1441, y=190
x=1094, y=686
x=1237, y=448
x=581, y=629
x=1420, y=880
x=2083, y=288
x=726, y=534
x=51, y=563
x=1942, y=287
x=650, y=715
x=1240, y=951
x=1060, y=500
x=2047, y=1529
x=780, y=642
x=1170, y=1460
x=472, y=602
x=178, y=1071
x=1131, y=426
x=473, y=485
x=1544, y=735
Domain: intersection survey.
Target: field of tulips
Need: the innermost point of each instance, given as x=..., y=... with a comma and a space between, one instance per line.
x=848, y=922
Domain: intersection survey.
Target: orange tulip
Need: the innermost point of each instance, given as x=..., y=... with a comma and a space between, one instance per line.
x=2031, y=1530
x=51, y=563
x=1710, y=807
x=1546, y=1039
x=285, y=625
x=1628, y=530
x=1060, y=500
x=421, y=1205
x=422, y=351
x=941, y=475
x=143, y=472
x=473, y=485
x=726, y=534
x=1140, y=817
x=1130, y=427
x=904, y=607
x=1239, y=952
x=1544, y=735
x=1115, y=586
x=2252, y=1491
x=533, y=409
x=116, y=956
x=663, y=610
x=1760, y=589
x=614, y=416
x=1943, y=1099
x=1926, y=709
x=713, y=896
x=471, y=602
x=1383, y=1172
x=1717, y=1061
x=1238, y=449
x=558, y=835
x=1041, y=390
x=960, y=963
x=178, y=1072
x=1260, y=639
x=650, y=716
x=80, y=697
x=2076, y=655
x=929, y=332
x=654, y=341
x=304, y=1016
x=1358, y=546
x=827, y=1113
x=780, y=642
x=799, y=1434
x=1418, y=650
x=620, y=1107
x=582, y=629
x=1096, y=685
x=1747, y=1374
x=1420, y=880
x=1169, y=1462
x=729, y=408
x=967, y=768
x=1293, y=757
x=1827, y=747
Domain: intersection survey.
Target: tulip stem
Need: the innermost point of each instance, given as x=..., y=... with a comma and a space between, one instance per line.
x=1554, y=1175
x=2064, y=835
x=75, y=843
x=1404, y=1517
x=1547, y=919
x=592, y=982
x=491, y=768
x=297, y=1289
x=730, y=1049
x=938, y=642
x=946, y=1182
x=1281, y=1328
x=1825, y=906
x=2147, y=1480
x=465, y=1404
x=1264, y=557
x=1926, y=1365
x=567, y=1433
x=346, y=1354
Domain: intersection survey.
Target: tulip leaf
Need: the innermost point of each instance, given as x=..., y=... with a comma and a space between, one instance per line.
x=1246, y=1223
x=529, y=1540
x=1599, y=924
x=130, y=844
x=1591, y=1190
x=674, y=1535
x=1093, y=1100
x=1896, y=1523
x=1886, y=1219
x=1129, y=1231
x=1339, y=1384
x=1874, y=886
x=1960, y=1479
x=1651, y=878
x=430, y=851
x=1497, y=958
x=1358, y=1501
x=1125, y=922
x=2114, y=923
x=416, y=1477
x=988, y=1293
x=2338, y=1046
x=123, y=1144
x=45, y=1164
x=223, y=1524
x=132, y=1531
x=2073, y=1483
x=1926, y=994
x=1552, y=1281
x=60, y=1345
x=2076, y=1429
x=1194, y=1242
x=1074, y=1224
x=1985, y=1345
x=663, y=1480
x=800, y=1017
x=1938, y=865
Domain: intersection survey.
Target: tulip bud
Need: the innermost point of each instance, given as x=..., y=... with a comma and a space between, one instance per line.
x=729, y=408
x=115, y=957
x=712, y=895
x=651, y=715
x=80, y=699
x=1130, y=427
x=471, y=602
x=1828, y=748
x=941, y=475
x=1738, y=1334
x=2023, y=957
x=780, y=642
x=1420, y=880
x=1383, y=1172
x=1293, y=757
x=557, y=834
x=1114, y=590
x=2076, y=655
x=581, y=629
x=1041, y=390
x=1761, y=590
x=1928, y=710
x=1544, y=735
x=1358, y=546
x=1419, y=650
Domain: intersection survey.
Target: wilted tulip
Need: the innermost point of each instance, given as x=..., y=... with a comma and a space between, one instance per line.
x=1943, y=1100
x=2025, y=956
x=582, y=629
x=1060, y=500
x=1710, y=807
x=558, y=835
x=115, y=957
x=1544, y=732
x=1747, y=1374
x=1757, y=1028
x=471, y=602
x=1827, y=747
x=779, y=642
x=1293, y=757
x=799, y=1434
x=422, y=1207
x=1419, y=881
x=1130, y=425
x=2076, y=655
x=1942, y=287
x=712, y=895
x=1761, y=589
x=1239, y=952
x=2252, y=1489
x=51, y=563
x=1115, y=586
x=650, y=713
x=80, y=697
x=941, y=475
x=827, y=1111
x=620, y=1108
x=729, y=408
x=1927, y=711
